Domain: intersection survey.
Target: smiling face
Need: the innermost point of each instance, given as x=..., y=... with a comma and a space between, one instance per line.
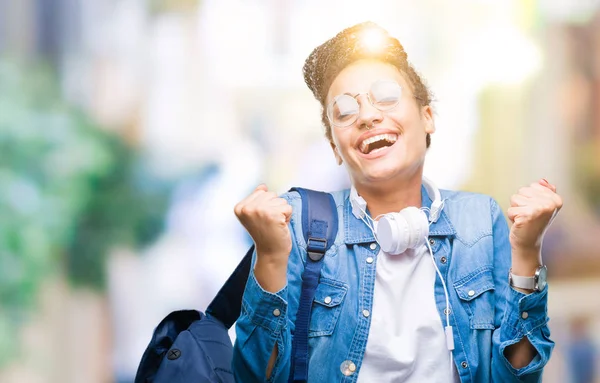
x=380, y=146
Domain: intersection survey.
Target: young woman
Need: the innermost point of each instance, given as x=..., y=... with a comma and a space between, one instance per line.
x=396, y=278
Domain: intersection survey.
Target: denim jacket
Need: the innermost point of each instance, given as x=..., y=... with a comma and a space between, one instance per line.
x=471, y=248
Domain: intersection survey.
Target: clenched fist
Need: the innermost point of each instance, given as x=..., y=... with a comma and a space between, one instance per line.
x=532, y=210
x=266, y=216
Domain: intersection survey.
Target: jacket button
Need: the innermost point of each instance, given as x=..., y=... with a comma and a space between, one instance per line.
x=525, y=315
x=327, y=300
x=464, y=365
x=370, y=260
x=443, y=260
x=366, y=313
x=173, y=354
x=431, y=241
x=348, y=367
x=276, y=312
x=373, y=246
x=471, y=293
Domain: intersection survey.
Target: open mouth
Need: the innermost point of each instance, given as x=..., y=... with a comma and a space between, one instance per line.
x=376, y=143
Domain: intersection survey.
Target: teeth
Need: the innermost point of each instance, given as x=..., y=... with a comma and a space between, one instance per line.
x=391, y=138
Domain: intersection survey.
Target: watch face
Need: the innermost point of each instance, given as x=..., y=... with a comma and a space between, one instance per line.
x=541, y=278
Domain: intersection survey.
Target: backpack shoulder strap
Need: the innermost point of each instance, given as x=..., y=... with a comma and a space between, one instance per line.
x=227, y=304
x=319, y=221
x=319, y=226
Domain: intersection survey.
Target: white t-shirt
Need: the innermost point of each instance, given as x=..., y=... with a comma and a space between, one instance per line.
x=406, y=340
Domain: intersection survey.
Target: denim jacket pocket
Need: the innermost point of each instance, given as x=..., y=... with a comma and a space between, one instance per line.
x=326, y=307
x=476, y=292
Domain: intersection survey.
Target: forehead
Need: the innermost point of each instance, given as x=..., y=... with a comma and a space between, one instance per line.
x=360, y=75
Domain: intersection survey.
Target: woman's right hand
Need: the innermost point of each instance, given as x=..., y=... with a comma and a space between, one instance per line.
x=266, y=216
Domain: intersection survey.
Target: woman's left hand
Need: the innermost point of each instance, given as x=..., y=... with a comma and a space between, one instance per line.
x=532, y=210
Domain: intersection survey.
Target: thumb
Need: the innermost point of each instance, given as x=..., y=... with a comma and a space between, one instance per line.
x=288, y=216
x=512, y=213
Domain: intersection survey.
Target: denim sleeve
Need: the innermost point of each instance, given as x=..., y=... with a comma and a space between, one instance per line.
x=261, y=325
x=518, y=315
x=265, y=320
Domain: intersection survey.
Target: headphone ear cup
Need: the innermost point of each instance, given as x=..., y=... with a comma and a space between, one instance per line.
x=393, y=233
x=397, y=232
x=418, y=226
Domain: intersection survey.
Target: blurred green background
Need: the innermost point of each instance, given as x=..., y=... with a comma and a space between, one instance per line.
x=130, y=128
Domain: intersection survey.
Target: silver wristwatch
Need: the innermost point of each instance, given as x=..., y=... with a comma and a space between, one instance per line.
x=535, y=283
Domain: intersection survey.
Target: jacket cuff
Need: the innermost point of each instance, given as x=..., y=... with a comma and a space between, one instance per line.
x=525, y=316
x=525, y=312
x=263, y=308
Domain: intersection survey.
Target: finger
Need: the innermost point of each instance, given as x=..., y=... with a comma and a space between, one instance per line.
x=256, y=194
x=546, y=190
x=518, y=213
x=287, y=212
x=282, y=206
x=518, y=210
x=539, y=187
x=556, y=199
x=526, y=191
x=279, y=208
x=258, y=191
x=546, y=196
x=557, y=202
x=266, y=199
x=243, y=204
x=537, y=206
x=511, y=213
x=519, y=200
x=280, y=214
x=544, y=182
x=262, y=187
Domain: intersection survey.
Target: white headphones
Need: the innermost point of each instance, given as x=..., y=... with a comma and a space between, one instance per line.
x=407, y=229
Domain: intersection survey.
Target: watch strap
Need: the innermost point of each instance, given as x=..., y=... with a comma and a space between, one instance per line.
x=527, y=283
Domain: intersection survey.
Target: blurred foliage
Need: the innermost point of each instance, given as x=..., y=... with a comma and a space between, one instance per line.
x=69, y=192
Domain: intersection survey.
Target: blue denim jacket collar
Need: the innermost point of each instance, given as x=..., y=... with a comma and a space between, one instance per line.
x=356, y=231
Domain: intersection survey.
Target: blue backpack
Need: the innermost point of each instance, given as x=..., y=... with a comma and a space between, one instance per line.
x=190, y=346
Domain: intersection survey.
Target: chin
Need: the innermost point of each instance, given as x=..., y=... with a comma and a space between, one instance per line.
x=394, y=168
x=383, y=173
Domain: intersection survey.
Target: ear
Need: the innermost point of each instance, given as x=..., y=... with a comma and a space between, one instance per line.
x=429, y=120
x=338, y=158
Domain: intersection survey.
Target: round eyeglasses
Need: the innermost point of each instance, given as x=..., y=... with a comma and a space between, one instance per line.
x=344, y=109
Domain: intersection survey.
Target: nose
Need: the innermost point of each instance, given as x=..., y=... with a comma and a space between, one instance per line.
x=368, y=115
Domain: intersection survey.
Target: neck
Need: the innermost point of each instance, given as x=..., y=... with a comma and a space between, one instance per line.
x=382, y=199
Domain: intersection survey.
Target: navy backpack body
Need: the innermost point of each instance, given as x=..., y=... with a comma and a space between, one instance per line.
x=189, y=346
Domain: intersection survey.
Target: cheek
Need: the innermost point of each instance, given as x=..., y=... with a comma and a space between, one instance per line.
x=403, y=116
x=411, y=124
x=341, y=141
x=336, y=144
